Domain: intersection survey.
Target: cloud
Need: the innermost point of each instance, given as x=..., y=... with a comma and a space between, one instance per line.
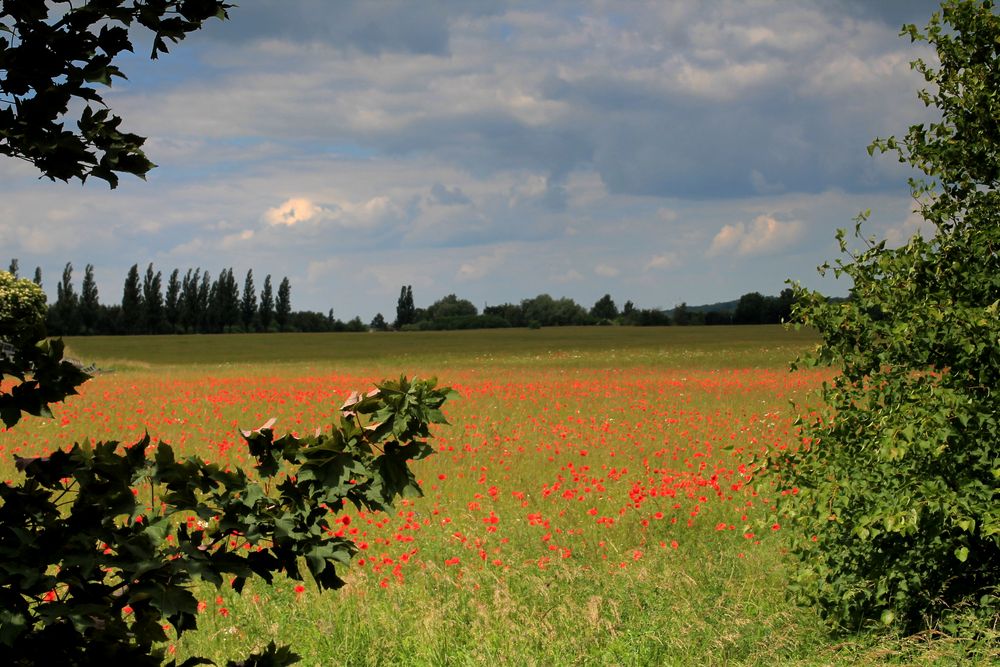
x=764, y=236
x=666, y=214
x=231, y=241
x=568, y=276
x=762, y=186
x=367, y=213
x=320, y=271
x=442, y=195
x=424, y=138
x=913, y=225
x=664, y=261
x=481, y=266
x=293, y=211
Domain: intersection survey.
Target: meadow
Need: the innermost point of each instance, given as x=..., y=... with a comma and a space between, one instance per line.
x=592, y=502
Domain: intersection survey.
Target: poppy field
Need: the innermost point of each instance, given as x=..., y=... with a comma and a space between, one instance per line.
x=592, y=501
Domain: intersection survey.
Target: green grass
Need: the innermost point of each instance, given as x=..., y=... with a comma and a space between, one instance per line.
x=676, y=347
x=559, y=423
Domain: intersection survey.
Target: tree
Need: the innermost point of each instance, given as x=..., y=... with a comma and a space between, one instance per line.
x=35, y=375
x=681, y=314
x=449, y=306
x=283, y=304
x=546, y=311
x=266, y=304
x=38, y=276
x=204, y=303
x=604, y=309
x=13, y=267
x=66, y=311
x=379, y=323
x=50, y=55
x=223, y=303
x=750, y=309
x=406, y=312
x=890, y=504
x=189, y=313
x=152, y=299
x=22, y=311
x=132, y=304
x=248, y=304
x=172, y=301
x=64, y=315
x=90, y=307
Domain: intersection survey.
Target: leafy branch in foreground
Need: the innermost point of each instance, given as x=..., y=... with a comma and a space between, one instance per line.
x=897, y=518
x=27, y=357
x=51, y=54
x=99, y=545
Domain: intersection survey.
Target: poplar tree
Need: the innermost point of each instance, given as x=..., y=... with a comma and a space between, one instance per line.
x=152, y=296
x=172, y=302
x=248, y=304
x=132, y=304
x=90, y=307
x=266, y=304
x=283, y=304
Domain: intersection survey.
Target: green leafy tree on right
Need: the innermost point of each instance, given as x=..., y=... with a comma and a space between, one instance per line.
x=891, y=502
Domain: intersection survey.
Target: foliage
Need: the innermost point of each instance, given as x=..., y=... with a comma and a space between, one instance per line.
x=405, y=310
x=100, y=544
x=450, y=306
x=604, y=309
x=22, y=309
x=35, y=365
x=283, y=304
x=52, y=53
x=891, y=501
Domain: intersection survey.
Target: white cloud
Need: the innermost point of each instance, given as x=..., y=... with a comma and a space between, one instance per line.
x=231, y=241
x=765, y=235
x=293, y=211
x=367, y=213
x=664, y=261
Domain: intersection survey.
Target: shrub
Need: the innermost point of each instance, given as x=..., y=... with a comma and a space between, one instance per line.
x=892, y=501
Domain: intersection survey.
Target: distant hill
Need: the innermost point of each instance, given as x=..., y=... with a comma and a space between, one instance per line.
x=720, y=307
x=729, y=307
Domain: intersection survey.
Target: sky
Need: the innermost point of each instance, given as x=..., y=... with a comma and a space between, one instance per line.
x=660, y=152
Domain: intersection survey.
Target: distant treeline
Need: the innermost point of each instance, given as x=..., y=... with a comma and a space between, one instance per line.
x=192, y=302
x=452, y=312
x=195, y=302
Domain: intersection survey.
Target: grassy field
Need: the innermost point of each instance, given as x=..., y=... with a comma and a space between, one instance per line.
x=697, y=347
x=591, y=502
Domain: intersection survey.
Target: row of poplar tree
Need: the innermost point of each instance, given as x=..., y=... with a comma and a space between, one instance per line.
x=190, y=303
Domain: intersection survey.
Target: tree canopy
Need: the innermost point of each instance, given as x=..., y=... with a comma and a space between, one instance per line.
x=53, y=57
x=896, y=486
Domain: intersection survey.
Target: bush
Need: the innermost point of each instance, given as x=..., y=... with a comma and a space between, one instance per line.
x=892, y=502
